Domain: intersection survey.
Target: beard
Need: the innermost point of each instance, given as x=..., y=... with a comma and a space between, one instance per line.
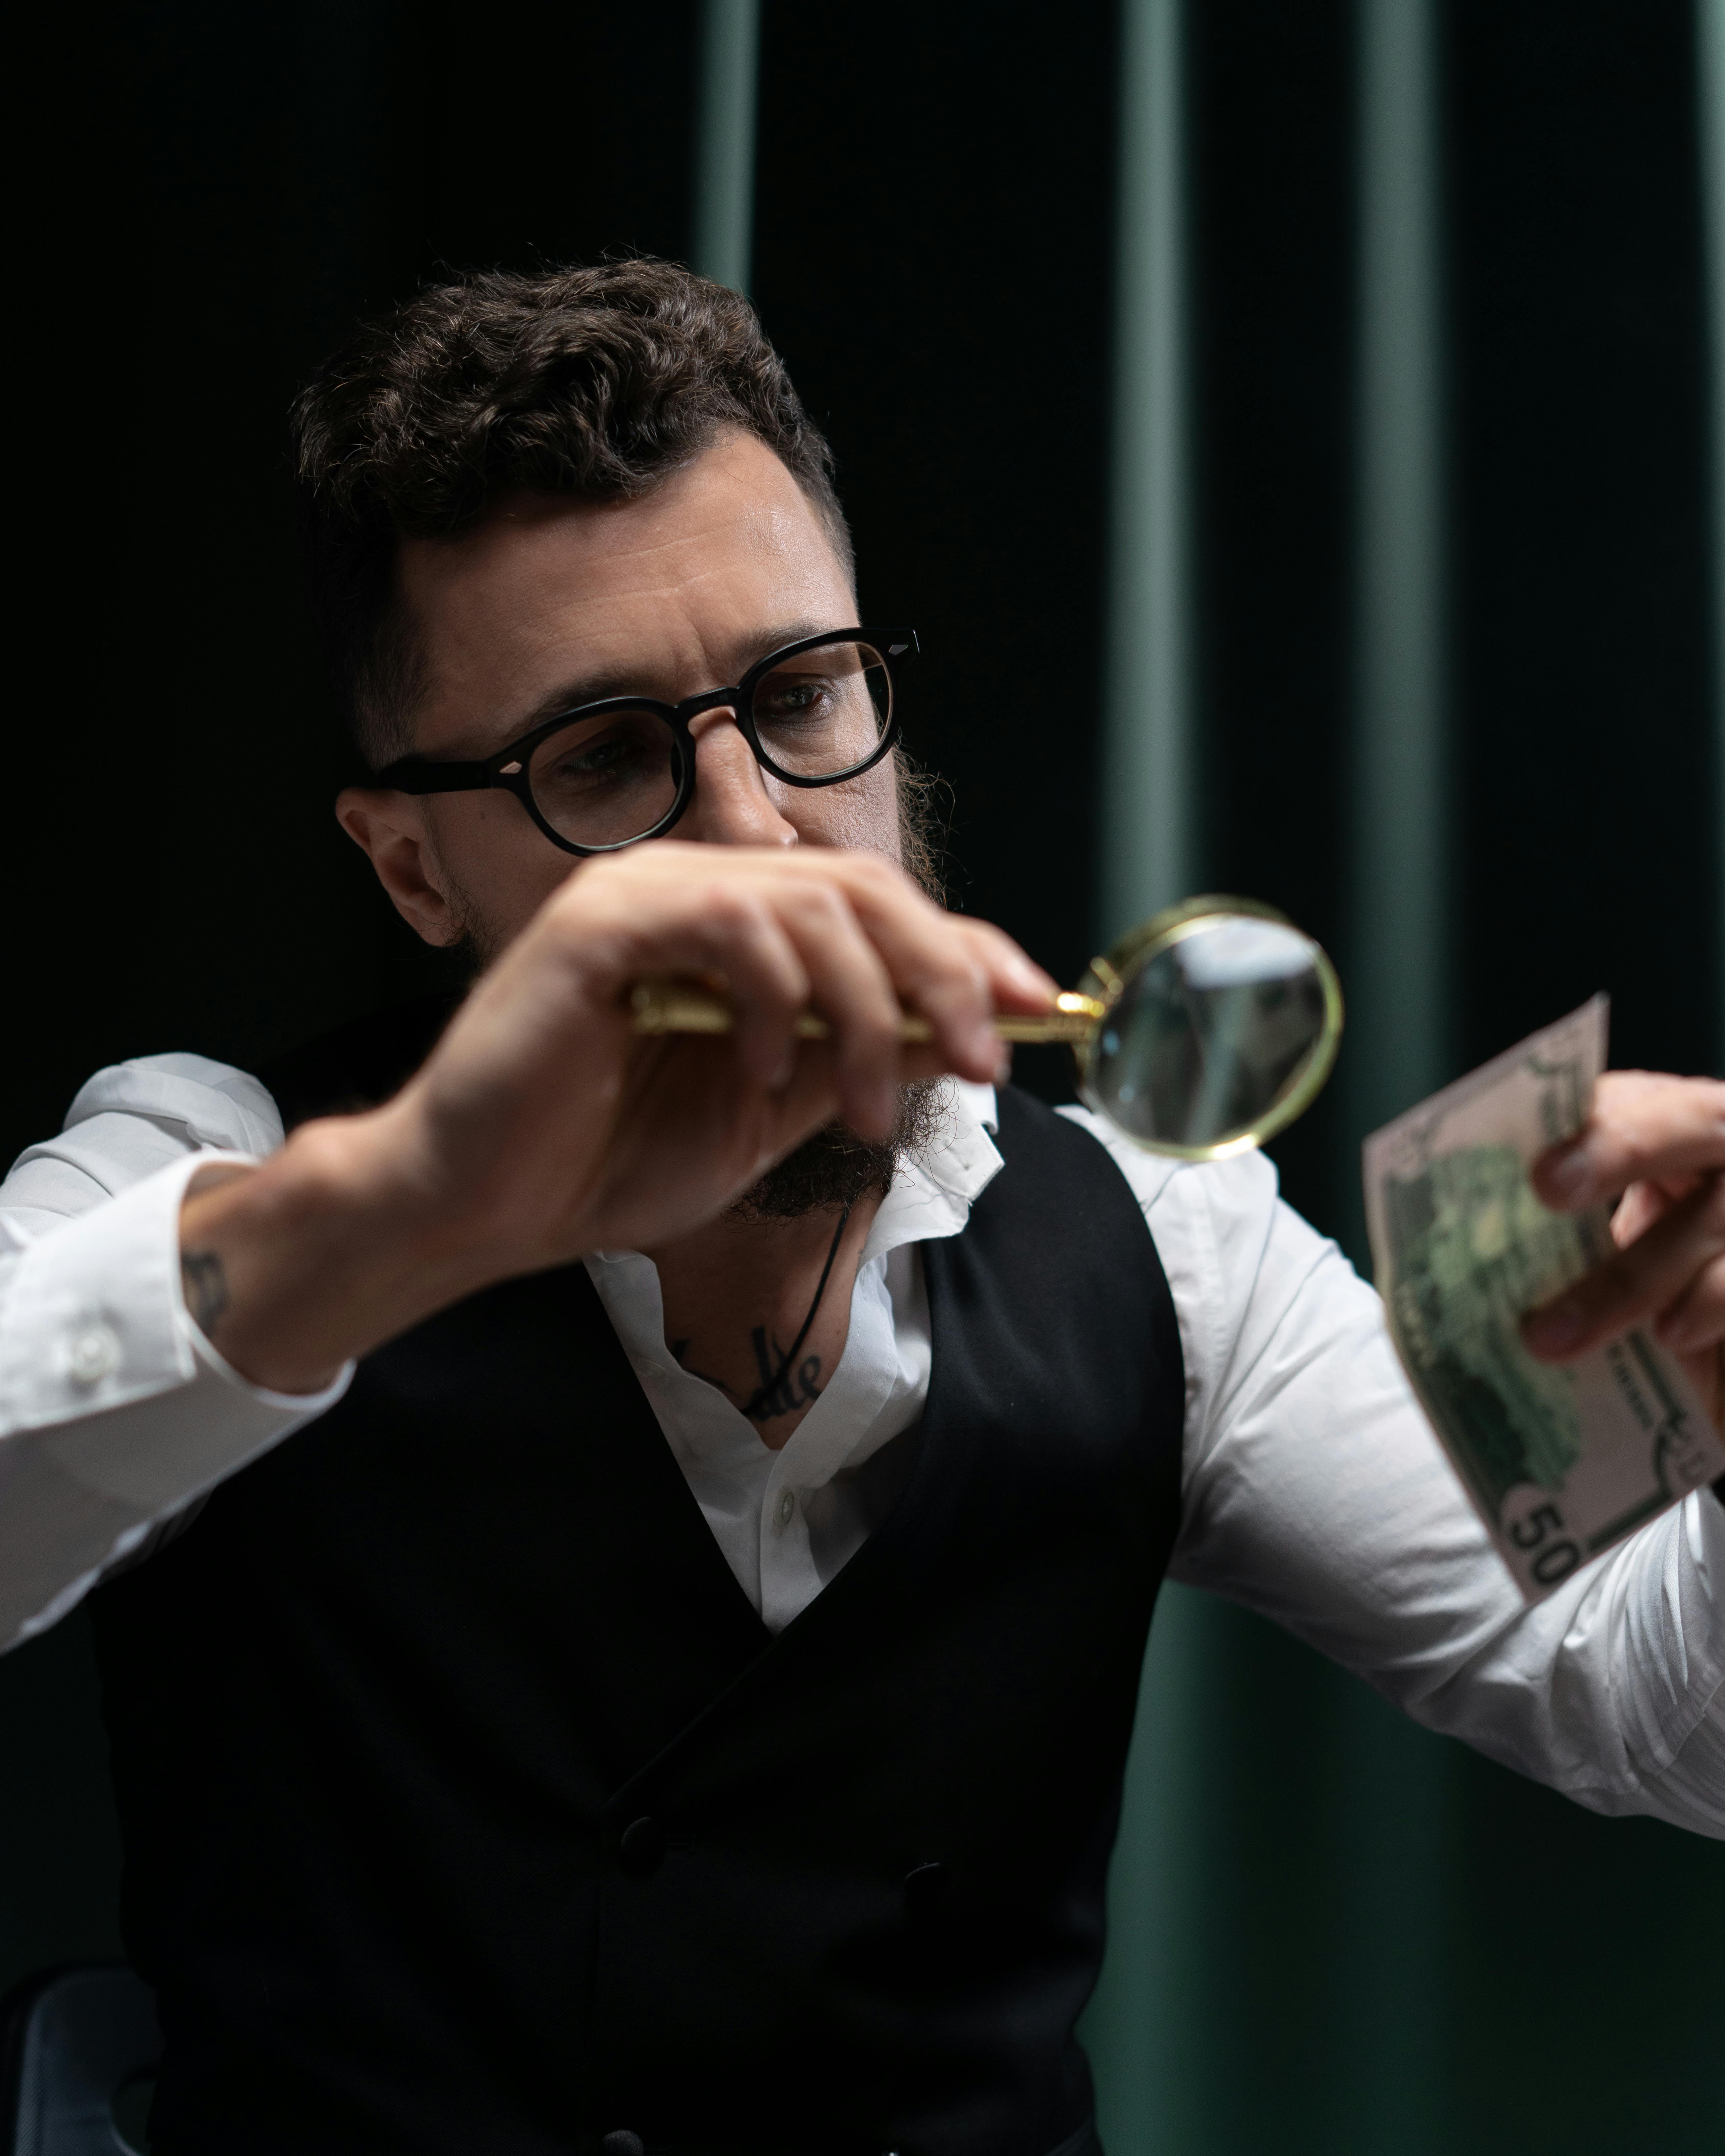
x=831, y=1170
x=835, y=1168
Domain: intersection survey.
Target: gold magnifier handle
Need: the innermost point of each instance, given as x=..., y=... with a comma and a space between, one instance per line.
x=1204, y=1032
x=671, y=1007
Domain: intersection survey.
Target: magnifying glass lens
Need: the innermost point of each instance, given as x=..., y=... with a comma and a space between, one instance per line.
x=1210, y=1033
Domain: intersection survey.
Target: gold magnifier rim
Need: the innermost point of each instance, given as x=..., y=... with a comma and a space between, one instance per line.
x=1105, y=978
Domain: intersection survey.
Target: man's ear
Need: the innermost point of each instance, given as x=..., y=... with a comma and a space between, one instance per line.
x=390, y=829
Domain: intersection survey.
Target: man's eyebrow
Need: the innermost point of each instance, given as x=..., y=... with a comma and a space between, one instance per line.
x=580, y=689
x=625, y=680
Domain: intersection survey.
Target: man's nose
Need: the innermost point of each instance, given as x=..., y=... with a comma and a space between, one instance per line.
x=731, y=805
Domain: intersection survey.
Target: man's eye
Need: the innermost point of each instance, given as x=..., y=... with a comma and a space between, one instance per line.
x=593, y=764
x=589, y=762
x=783, y=701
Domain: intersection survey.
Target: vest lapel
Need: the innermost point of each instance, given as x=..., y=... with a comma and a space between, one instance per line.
x=878, y=1590
x=677, y=1604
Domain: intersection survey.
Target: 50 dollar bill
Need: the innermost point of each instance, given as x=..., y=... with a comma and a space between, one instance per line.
x=1561, y=1461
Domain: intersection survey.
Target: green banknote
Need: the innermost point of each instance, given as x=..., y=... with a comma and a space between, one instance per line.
x=1562, y=1461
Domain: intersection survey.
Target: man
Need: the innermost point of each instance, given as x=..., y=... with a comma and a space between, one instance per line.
x=673, y=1694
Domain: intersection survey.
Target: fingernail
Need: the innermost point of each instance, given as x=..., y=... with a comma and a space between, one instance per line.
x=1555, y=1329
x=1570, y=1175
x=1030, y=979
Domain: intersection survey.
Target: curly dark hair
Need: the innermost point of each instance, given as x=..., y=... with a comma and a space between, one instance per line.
x=596, y=383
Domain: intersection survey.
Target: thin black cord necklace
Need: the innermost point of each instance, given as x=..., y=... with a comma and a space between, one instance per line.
x=754, y=1407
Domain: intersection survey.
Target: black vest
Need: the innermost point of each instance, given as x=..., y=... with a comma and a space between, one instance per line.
x=470, y=1809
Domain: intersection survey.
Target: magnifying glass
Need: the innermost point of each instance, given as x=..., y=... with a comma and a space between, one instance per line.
x=1204, y=1031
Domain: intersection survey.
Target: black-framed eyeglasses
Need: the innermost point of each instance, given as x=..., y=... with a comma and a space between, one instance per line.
x=608, y=774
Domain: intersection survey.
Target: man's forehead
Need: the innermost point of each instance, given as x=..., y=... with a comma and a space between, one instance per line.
x=548, y=600
x=709, y=547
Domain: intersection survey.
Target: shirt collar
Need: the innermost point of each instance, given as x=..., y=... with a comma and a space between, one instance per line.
x=934, y=1190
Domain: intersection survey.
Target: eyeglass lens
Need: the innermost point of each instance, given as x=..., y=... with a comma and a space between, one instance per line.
x=821, y=713
x=604, y=781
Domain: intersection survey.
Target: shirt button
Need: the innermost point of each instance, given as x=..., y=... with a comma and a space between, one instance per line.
x=786, y=1510
x=92, y=1354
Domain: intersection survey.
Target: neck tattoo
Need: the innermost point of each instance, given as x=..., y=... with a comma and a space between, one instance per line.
x=792, y=1384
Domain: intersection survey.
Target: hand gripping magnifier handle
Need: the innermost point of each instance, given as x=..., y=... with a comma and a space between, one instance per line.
x=1205, y=1031
x=669, y=1007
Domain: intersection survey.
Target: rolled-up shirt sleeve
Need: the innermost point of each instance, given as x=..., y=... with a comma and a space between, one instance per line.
x=115, y=1413
x=1317, y=1493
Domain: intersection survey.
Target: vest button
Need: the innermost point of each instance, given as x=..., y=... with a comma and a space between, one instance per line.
x=925, y=1887
x=639, y=1851
x=622, y=2143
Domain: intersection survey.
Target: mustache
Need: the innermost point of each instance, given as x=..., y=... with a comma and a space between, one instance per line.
x=835, y=1168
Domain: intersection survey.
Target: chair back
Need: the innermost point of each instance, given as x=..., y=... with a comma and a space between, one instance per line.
x=75, y=2041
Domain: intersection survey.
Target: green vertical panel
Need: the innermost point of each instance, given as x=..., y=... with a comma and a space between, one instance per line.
x=1387, y=2013
x=1710, y=25
x=1147, y=845
x=1151, y=2021
x=725, y=147
x=1396, y=1048
x=1146, y=2027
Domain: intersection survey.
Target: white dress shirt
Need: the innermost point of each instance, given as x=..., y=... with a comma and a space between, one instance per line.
x=1313, y=1489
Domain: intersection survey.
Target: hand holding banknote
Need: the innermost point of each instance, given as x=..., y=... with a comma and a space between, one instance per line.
x=1659, y=1144
x=1568, y=1359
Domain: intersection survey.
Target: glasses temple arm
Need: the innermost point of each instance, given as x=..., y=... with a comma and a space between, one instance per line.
x=411, y=777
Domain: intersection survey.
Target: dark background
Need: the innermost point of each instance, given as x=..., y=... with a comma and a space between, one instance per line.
x=212, y=195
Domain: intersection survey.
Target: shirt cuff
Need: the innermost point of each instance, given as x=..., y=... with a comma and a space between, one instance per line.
x=98, y=1352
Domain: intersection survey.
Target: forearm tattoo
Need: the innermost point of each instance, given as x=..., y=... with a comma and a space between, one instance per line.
x=205, y=1285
